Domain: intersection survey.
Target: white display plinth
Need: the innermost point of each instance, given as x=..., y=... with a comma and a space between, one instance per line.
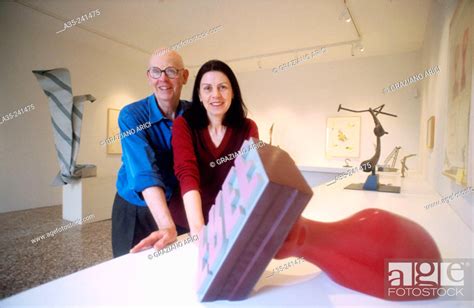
x=316, y=176
x=169, y=280
x=89, y=196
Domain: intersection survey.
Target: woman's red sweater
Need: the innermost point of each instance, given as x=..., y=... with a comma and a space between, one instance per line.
x=200, y=165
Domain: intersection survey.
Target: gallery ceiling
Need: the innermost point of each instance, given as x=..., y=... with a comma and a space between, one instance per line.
x=255, y=34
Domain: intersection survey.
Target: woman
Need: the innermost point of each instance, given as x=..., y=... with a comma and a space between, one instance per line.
x=216, y=125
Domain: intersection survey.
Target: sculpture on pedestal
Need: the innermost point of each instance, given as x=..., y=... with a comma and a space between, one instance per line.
x=66, y=118
x=271, y=134
x=370, y=165
x=404, y=164
x=390, y=166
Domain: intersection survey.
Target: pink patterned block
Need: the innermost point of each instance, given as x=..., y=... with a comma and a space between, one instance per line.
x=261, y=198
x=203, y=267
x=230, y=198
x=216, y=231
x=248, y=177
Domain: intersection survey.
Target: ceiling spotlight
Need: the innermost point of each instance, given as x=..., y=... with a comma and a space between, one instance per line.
x=345, y=15
x=357, y=46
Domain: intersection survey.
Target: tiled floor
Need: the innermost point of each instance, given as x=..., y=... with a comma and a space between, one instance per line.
x=24, y=265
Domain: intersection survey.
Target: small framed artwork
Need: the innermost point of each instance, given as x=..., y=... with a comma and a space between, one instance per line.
x=114, y=146
x=430, y=130
x=343, y=137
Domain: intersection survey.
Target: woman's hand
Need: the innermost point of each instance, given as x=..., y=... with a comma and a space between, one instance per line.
x=195, y=231
x=193, y=208
x=158, y=239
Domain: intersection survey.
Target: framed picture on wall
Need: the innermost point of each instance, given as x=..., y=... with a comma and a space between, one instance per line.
x=456, y=151
x=430, y=130
x=343, y=137
x=114, y=146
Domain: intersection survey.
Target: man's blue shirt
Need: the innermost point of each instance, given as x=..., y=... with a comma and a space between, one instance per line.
x=147, y=158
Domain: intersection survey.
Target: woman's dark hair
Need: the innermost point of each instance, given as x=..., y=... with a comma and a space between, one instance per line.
x=196, y=116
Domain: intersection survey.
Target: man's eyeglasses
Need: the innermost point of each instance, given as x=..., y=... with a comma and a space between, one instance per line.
x=171, y=72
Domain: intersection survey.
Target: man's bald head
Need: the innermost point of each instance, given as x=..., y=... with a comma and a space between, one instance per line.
x=167, y=90
x=167, y=55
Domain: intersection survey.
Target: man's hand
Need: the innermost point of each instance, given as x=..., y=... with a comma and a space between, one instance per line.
x=156, y=200
x=158, y=239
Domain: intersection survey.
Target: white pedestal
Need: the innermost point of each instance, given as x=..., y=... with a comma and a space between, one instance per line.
x=89, y=197
x=316, y=176
x=111, y=283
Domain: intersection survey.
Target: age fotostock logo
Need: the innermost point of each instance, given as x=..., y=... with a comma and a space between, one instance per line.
x=411, y=279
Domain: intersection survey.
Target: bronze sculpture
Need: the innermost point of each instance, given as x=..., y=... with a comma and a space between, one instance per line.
x=369, y=165
x=403, y=162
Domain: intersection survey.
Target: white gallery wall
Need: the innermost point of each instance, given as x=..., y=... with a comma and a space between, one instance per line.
x=434, y=100
x=113, y=73
x=300, y=99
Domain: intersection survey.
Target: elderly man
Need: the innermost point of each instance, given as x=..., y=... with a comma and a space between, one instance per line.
x=146, y=179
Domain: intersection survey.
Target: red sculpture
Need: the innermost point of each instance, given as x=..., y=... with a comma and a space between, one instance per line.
x=257, y=216
x=353, y=251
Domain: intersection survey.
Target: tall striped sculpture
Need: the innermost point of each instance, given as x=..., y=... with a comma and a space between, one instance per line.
x=66, y=117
